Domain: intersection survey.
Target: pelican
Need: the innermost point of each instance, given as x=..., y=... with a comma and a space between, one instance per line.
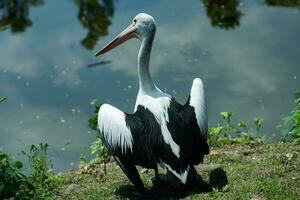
x=160, y=131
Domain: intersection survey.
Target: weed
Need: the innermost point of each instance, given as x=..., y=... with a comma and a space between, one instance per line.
x=99, y=153
x=227, y=116
x=45, y=182
x=93, y=120
x=227, y=133
x=13, y=183
x=290, y=127
x=258, y=123
x=243, y=126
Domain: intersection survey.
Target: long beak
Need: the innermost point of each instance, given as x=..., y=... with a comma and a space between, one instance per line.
x=128, y=33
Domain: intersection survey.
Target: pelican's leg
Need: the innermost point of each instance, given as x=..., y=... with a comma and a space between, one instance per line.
x=133, y=175
x=157, y=178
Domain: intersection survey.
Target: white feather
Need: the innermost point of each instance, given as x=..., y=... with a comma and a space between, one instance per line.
x=181, y=176
x=197, y=101
x=111, y=122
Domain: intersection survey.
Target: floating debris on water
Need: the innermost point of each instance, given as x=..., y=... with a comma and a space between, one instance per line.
x=62, y=120
x=93, y=102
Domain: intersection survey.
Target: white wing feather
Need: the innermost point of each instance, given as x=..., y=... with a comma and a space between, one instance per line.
x=197, y=101
x=112, y=124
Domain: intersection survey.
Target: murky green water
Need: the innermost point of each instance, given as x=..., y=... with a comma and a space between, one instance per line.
x=246, y=52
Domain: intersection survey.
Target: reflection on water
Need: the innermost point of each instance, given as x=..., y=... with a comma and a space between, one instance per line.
x=96, y=17
x=15, y=14
x=224, y=13
x=285, y=3
x=98, y=64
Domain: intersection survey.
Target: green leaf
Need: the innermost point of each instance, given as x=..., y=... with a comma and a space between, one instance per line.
x=297, y=95
x=226, y=115
x=242, y=124
x=258, y=122
x=18, y=164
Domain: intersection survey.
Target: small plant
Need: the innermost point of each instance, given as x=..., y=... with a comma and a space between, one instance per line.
x=220, y=135
x=243, y=126
x=258, y=124
x=290, y=127
x=99, y=153
x=227, y=127
x=13, y=183
x=226, y=133
x=93, y=120
x=227, y=116
x=44, y=181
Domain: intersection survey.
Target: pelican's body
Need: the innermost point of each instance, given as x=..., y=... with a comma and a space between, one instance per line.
x=160, y=131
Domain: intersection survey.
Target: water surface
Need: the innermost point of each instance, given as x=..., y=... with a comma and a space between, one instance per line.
x=246, y=52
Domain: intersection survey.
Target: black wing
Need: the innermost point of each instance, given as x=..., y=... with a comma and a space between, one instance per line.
x=187, y=133
x=132, y=139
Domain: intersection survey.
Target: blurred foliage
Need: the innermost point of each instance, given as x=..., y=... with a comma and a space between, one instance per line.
x=227, y=133
x=93, y=120
x=96, y=17
x=258, y=124
x=290, y=127
x=284, y=3
x=223, y=13
x=40, y=184
x=98, y=152
x=13, y=183
x=14, y=14
x=46, y=184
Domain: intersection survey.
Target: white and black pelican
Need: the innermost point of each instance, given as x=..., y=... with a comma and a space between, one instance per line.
x=160, y=131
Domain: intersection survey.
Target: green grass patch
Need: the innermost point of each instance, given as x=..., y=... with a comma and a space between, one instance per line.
x=238, y=171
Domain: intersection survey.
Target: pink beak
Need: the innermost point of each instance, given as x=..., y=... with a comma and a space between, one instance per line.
x=128, y=33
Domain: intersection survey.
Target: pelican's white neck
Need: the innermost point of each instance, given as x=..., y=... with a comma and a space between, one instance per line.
x=145, y=80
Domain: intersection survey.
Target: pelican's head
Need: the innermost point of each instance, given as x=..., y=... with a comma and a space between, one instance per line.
x=143, y=26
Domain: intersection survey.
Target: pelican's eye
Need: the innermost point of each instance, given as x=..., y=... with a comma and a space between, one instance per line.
x=134, y=21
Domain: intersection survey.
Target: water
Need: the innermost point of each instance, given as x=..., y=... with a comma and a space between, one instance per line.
x=247, y=54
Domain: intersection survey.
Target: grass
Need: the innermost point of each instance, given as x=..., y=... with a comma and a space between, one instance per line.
x=237, y=171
